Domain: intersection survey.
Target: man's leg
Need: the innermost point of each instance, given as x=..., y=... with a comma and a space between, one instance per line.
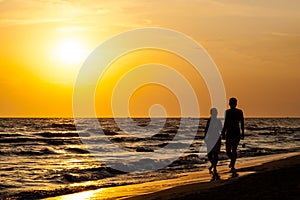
x=235, y=144
x=228, y=148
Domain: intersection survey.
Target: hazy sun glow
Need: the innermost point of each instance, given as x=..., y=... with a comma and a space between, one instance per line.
x=70, y=51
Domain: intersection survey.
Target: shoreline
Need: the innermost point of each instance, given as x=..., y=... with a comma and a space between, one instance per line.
x=279, y=179
x=193, y=183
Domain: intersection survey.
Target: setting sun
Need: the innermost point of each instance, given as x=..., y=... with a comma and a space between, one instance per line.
x=70, y=51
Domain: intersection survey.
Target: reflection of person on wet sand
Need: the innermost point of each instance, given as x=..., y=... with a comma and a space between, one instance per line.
x=213, y=141
x=233, y=130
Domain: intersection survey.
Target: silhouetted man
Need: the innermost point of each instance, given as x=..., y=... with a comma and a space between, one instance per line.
x=233, y=130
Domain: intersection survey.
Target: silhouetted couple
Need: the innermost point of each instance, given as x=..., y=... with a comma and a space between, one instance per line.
x=232, y=132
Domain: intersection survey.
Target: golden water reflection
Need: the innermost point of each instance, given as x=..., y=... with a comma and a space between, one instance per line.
x=87, y=195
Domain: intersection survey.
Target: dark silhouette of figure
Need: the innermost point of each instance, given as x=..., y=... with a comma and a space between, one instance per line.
x=213, y=141
x=233, y=130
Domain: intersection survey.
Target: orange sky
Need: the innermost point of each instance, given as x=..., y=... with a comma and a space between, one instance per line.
x=255, y=44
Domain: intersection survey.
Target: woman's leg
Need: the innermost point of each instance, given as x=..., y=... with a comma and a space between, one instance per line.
x=210, y=158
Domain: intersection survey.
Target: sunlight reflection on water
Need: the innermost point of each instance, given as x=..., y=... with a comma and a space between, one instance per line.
x=78, y=196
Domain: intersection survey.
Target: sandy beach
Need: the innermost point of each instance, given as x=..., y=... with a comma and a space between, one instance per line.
x=265, y=177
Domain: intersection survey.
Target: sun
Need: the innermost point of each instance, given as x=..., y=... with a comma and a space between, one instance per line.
x=71, y=51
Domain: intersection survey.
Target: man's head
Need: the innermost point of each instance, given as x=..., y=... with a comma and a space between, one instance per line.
x=232, y=102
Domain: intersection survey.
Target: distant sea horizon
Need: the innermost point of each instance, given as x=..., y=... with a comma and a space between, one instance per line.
x=137, y=117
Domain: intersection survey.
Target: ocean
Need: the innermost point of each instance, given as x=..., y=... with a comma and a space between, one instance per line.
x=44, y=157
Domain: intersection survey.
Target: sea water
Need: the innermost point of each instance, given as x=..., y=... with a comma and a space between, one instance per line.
x=48, y=157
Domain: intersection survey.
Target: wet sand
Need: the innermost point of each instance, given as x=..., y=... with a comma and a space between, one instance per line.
x=265, y=177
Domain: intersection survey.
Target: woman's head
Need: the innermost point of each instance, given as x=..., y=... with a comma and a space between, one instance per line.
x=214, y=112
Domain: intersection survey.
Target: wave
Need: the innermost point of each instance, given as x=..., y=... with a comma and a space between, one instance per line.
x=58, y=134
x=77, y=150
x=10, y=135
x=66, y=126
x=96, y=173
x=37, y=141
x=6, y=186
x=42, y=152
x=275, y=129
x=187, y=160
x=252, y=152
x=127, y=139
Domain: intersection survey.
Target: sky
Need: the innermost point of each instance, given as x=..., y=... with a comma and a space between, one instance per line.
x=255, y=45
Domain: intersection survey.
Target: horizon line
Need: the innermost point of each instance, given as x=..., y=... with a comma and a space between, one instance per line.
x=135, y=117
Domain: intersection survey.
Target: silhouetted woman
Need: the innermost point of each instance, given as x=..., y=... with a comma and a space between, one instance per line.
x=213, y=140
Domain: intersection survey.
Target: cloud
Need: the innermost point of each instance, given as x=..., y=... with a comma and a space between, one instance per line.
x=196, y=17
x=148, y=21
x=282, y=34
x=18, y=12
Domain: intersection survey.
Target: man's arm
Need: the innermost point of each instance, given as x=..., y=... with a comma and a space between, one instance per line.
x=242, y=125
x=224, y=127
